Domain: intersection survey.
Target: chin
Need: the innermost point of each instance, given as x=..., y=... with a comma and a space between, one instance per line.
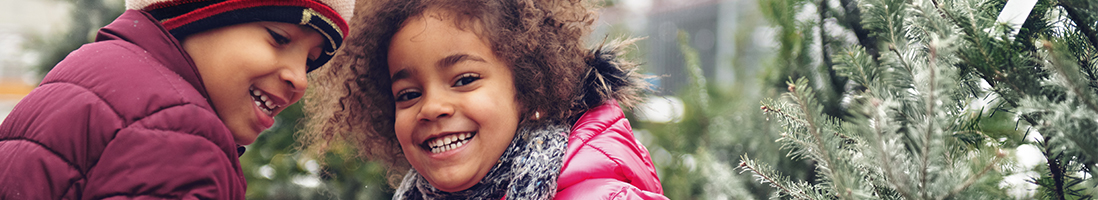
x=452, y=185
x=454, y=188
x=245, y=138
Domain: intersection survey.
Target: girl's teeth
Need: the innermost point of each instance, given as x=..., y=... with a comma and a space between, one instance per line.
x=263, y=97
x=256, y=92
x=448, y=143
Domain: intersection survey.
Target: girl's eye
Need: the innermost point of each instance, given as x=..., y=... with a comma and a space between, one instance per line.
x=406, y=95
x=279, y=38
x=466, y=79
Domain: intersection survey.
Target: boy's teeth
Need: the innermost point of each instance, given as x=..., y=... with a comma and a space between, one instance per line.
x=262, y=101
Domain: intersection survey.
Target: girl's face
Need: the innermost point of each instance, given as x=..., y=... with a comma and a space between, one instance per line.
x=455, y=101
x=252, y=71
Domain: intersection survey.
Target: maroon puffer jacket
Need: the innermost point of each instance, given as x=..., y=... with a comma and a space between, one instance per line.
x=124, y=117
x=605, y=161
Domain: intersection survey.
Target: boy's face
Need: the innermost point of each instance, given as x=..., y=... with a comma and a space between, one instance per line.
x=456, y=110
x=252, y=71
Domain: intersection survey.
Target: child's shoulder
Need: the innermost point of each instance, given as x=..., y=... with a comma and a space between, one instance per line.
x=604, y=148
x=605, y=118
x=110, y=61
x=605, y=128
x=124, y=75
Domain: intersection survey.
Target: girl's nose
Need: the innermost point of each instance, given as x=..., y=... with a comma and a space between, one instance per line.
x=434, y=108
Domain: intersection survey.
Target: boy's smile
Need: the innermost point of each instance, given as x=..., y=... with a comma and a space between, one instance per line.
x=456, y=108
x=253, y=70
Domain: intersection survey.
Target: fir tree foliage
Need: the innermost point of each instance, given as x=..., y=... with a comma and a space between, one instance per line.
x=915, y=126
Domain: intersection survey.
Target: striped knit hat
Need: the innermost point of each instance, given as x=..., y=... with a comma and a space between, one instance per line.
x=186, y=17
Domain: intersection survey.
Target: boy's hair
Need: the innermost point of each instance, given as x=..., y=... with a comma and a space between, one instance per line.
x=541, y=40
x=185, y=17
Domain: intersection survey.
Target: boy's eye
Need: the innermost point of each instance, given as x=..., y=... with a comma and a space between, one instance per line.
x=466, y=79
x=279, y=38
x=406, y=95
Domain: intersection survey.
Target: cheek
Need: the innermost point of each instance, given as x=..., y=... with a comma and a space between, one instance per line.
x=499, y=110
x=403, y=126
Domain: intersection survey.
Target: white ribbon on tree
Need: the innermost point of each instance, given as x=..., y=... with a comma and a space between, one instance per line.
x=1015, y=13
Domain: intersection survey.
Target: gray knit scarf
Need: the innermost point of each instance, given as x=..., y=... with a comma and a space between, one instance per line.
x=528, y=169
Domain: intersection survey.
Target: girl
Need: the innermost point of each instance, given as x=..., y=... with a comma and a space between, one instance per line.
x=486, y=99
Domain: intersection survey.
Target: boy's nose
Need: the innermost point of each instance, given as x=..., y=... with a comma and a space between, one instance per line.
x=297, y=65
x=295, y=78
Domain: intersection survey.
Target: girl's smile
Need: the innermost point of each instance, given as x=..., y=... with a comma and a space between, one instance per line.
x=448, y=142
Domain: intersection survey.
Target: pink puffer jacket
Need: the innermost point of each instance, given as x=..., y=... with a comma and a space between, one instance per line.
x=605, y=161
x=125, y=117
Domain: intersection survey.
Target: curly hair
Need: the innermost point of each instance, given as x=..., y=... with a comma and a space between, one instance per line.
x=541, y=40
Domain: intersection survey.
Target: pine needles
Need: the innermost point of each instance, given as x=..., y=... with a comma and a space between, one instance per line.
x=915, y=127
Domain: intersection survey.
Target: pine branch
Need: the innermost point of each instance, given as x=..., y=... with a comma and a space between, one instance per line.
x=1077, y=17
x=992, y=76
x=972, y=179
x=886, y=16
x=803, y=97
x=901, y=57
x=886, y=159
x=946, y=14
x=764, y=174
x=856, y=66
x=821, y=9
x=853, y=19
x=835, y=81
x=1069, y=79
x=1056, y=170
x=693, y=66
x=930, y=105
x=768, y=109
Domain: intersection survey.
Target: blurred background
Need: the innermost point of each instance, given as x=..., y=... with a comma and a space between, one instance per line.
x=714, y=61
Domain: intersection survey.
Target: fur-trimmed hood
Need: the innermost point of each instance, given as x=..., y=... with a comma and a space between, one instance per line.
x=609, y=77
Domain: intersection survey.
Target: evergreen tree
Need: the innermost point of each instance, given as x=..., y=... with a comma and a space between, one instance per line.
x=929, y=82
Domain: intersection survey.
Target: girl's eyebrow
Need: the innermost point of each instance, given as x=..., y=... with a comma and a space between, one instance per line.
x=446, y=62
x=402, y=74
x=456, y=58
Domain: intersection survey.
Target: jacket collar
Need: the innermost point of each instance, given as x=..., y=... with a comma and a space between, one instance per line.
x=140, y=28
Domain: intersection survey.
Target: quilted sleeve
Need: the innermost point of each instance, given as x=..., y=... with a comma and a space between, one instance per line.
x=162, y=156
x=50, y=139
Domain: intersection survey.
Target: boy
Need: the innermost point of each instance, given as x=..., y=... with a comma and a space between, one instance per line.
x=159, y=106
